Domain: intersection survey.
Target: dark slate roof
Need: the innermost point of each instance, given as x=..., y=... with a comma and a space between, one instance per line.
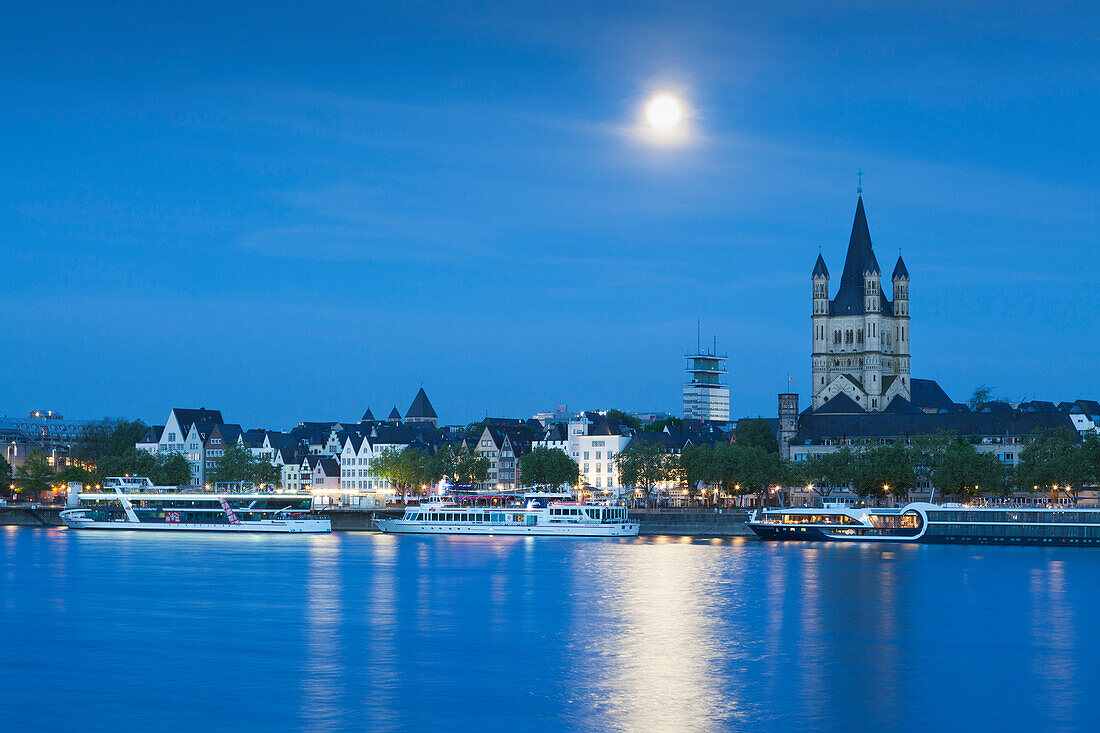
x=887, y=381
x=849, y=298
x=927, y=394
x=330, y=466
x=556, y=432
x=996, y=406
x=841, y=404
x=421, y=407
x=231, y=434
x=394, y=414
x=1088, y=407
x=816, y=427
x=254, y=438
x=356, y=441
x=393, y=435
x=368, y=416
x=900, y=273
x=647, y=437
x=820, y=270
x=187, y=417
x=871, y=268
x=152, y=435
x=608, y=426
x=900, y=405
x=1038, y=406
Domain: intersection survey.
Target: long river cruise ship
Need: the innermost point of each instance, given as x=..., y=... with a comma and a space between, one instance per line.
x=934, y=524
x=537, y=515
x=135, y=503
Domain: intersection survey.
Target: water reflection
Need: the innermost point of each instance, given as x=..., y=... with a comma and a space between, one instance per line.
x=323, y=673
x=1053, y=632
x=422, y=633
x=657, y=658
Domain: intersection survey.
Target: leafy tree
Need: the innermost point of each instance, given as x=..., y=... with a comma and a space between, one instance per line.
x=755, y=432
x=132, y=462
x=697, y=466
x=964, y=473
x=1054, y=459
x=981, y=397
x=172, y=469
x=660, y=425
x=459, y=465
x=885, y=469
x=406, y=470
x=235, y=464
x=548, y=467
x=625, y=418
x=643, y=466
x=748, y=469
x=928, y=452
x=238, y=463
x=111, y=436
x=75, y=474
x=5, y=475
x=828, y=472
x=35, y=476
x=475, y=429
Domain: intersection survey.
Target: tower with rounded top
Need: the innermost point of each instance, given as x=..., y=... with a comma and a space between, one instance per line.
x=860, y=337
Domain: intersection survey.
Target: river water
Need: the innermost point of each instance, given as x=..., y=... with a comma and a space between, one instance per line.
x=103, y=631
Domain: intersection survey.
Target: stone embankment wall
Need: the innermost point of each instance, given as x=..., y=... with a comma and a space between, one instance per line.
x=682, y=522
x=27, y=517
x=692, y=522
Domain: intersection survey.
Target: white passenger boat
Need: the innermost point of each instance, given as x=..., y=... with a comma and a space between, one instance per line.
x=538, y=515
x=135, y=503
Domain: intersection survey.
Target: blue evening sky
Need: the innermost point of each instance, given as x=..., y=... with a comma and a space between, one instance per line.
x=292, y=211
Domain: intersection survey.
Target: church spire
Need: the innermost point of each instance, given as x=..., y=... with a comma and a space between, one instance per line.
x=849, y=297
x=820, y=270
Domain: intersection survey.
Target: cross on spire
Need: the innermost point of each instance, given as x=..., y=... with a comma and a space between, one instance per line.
x=859, y=188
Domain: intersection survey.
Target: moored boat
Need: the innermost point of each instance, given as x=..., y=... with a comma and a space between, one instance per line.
x=135, y=503
x=537, y=515
x=933, y=524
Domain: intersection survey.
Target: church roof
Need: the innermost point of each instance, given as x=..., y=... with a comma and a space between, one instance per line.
x=872, y=268
x=900, y=405
x=421, y=407
x=927, y=394
x=842, y=404
x=820, y=270
x=860, y=259
x=368, y=416
x=394, y=414
x=900, y=273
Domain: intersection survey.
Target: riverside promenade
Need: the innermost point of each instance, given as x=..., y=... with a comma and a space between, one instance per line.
x=689, y=522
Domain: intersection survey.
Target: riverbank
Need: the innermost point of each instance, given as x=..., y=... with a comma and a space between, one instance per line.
x=680, y=522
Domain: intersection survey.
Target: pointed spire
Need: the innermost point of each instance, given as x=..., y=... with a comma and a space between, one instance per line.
x=421, y=408
x=368, y=416
x=395, y=416
x=900, y=271
x=820, y=270
x=849, y=297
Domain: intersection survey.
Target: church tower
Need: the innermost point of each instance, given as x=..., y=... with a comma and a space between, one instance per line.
x=860, y=338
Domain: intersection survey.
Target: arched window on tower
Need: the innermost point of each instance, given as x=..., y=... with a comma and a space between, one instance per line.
x=859, y=336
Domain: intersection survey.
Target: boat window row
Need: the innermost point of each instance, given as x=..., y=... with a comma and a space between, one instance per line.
x=1015, y=516
x=1018, y=530
x=809, y=519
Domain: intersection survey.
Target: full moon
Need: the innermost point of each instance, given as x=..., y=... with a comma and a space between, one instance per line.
x=664, y=112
